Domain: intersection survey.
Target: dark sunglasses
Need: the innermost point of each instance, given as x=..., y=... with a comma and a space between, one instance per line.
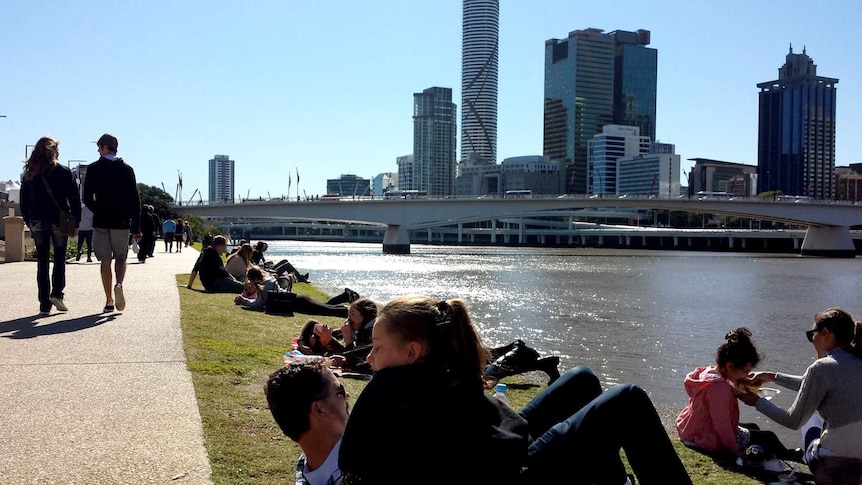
x=810, y=334
x=341, y=392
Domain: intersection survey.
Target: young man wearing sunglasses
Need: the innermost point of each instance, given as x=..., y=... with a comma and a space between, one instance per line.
x=310, y=406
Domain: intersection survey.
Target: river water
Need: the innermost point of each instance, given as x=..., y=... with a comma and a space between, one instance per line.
x=646, y=317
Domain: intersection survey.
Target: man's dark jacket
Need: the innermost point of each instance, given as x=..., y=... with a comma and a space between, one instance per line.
x=111, y=192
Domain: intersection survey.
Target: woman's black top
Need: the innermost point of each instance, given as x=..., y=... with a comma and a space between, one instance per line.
x=404, y=428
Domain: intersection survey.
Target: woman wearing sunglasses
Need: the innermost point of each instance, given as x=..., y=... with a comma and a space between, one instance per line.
x=831, y=387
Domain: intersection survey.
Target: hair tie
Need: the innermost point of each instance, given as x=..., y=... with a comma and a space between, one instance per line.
x=731, y=336
x=443, y=314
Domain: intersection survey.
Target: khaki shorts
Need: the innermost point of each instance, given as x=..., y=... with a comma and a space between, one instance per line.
x=110, y=244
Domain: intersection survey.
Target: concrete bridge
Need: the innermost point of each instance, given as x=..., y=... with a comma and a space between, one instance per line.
x=828, y=222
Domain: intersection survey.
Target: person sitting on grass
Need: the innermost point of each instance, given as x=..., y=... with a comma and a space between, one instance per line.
x=425, y=417
x=238, y=262
x=310, y=406
x=210, y=268
x=831, y=387
x=710, y=420
x=356, y=331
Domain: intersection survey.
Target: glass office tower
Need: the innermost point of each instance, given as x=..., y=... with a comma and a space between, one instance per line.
x=479, y=49
x=593, y=79
x=434, y=139
x=635, y=81
x=796, y=139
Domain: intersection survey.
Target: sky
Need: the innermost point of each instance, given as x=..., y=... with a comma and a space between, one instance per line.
x=326, y=88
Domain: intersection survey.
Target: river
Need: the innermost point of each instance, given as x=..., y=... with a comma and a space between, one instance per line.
x=646, y=317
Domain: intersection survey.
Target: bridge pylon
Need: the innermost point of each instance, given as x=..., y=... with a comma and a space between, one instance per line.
x=828, y=241
x=396, y=240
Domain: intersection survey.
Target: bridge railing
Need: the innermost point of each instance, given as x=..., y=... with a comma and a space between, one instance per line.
x=781, y=199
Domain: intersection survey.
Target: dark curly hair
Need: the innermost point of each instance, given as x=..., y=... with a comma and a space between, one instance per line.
x=738, y=349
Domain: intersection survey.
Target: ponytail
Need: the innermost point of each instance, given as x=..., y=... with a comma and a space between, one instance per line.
x=454, y=348
x=738, y=349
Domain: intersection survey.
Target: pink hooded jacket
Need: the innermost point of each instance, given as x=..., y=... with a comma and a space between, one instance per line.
x=711, y=417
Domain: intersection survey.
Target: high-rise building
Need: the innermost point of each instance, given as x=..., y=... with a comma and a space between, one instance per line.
x=349, y=185
x=635, y=80
x=613, y=143
x=796, y=139
x=593, y=79
x=405, y=172
x=479, y=51
x=434, y=138
x=221, y=179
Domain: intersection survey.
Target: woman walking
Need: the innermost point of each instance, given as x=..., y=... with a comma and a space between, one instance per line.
x=46, y=189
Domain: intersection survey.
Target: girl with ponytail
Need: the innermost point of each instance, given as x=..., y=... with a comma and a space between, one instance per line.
x=710, y=420
x=425, y=416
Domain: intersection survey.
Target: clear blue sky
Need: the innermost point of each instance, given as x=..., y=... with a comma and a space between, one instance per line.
x=326, y=87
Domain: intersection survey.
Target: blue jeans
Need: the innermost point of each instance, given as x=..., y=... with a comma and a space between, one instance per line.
x=579, y=432
x=44, y=235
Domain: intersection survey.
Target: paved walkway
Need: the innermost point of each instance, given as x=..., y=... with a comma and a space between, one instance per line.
x=90, y=398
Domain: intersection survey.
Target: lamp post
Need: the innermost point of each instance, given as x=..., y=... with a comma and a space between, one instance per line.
x=28, y=150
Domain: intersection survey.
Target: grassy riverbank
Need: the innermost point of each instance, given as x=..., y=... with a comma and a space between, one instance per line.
x=231, y=352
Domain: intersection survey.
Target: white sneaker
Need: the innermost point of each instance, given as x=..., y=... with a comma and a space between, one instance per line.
x=58, y=302
x=119, y=299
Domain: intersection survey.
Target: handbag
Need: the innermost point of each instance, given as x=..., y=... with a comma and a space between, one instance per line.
x=279, y=303
x=67, y=223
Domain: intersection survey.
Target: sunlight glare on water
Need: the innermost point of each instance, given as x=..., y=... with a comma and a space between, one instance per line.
x=648, y=317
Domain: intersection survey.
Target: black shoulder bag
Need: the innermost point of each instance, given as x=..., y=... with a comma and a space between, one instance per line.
x=67, y=221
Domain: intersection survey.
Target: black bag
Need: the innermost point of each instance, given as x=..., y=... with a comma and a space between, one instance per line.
x=67, y=223
x=279, y=303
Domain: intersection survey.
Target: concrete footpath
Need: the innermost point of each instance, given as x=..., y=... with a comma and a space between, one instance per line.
x=98, y=398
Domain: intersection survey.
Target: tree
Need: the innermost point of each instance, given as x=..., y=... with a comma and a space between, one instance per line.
x=161, y=201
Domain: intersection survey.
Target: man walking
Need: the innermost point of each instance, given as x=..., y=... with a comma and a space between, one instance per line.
x=111, y=192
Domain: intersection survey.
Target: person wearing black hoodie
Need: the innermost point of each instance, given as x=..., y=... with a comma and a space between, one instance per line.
x=111, y=192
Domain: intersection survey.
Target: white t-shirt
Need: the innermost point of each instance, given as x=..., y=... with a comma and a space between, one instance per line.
x=328, y=469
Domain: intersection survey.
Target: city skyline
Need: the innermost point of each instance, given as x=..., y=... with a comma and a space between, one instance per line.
x=280, y=92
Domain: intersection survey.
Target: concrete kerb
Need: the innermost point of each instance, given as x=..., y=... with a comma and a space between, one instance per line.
x=91, y=397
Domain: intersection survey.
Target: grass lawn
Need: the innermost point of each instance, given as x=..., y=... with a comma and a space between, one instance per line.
x=231, y=352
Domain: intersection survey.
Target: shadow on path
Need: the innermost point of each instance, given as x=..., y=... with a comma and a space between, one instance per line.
x=29, y=327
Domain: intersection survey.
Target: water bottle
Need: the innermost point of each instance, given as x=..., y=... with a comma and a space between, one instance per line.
x=500, y=392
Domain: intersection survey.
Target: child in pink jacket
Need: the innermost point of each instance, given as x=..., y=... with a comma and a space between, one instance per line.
x=710, y=420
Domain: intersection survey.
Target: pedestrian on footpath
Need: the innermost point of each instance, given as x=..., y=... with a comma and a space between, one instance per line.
x=111, y=192
x=169, y=228
x=148, y=232
x=85, y=233
x=46, y=189
x=157, y=224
